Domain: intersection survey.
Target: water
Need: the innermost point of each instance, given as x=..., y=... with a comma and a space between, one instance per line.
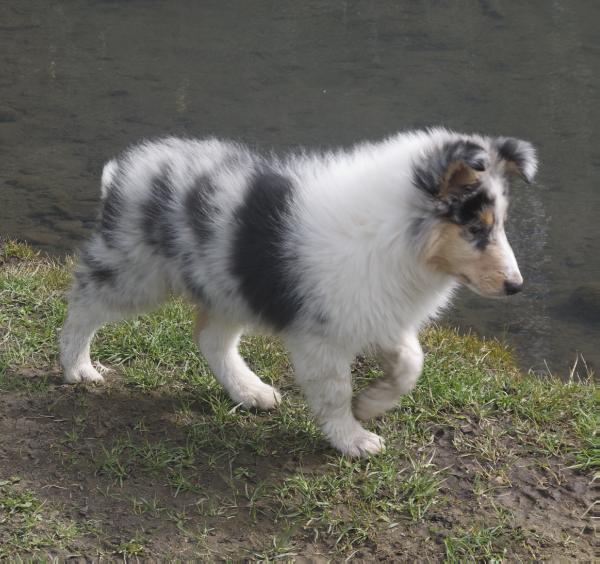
x=79, y=81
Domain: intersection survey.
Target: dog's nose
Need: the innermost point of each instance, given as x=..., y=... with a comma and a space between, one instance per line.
x=512, y=287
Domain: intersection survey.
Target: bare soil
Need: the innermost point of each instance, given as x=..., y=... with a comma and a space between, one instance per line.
x=550, y=506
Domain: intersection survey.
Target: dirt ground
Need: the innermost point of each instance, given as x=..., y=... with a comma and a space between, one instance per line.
x=57, y=442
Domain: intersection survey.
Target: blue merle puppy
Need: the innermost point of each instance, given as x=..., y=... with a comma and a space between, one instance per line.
x=338, y=253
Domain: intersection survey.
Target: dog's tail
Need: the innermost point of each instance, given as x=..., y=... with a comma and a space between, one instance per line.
x=109, y=173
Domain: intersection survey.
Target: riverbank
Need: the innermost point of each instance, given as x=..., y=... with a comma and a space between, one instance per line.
x=482, y=462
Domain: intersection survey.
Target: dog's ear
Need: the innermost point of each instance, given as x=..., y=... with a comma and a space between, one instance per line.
x=519, y=157
x=458, y=179
x=450, y=170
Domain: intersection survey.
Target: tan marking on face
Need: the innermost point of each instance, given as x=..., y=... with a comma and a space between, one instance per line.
x=486, y=216
x=457, y=176
x=511, y=169
x=449, y=252
x=201, y=322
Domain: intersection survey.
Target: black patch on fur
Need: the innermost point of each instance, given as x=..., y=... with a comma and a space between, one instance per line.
x=479, y=234
x=195, y=289
x=509, y=149
x=199, y=210
x=260, y=261
x=428, y=174
x=157, y=216
x=199, y=214
x=466, y=212
x=96, y=270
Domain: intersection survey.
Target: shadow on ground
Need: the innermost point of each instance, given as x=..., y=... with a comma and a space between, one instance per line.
x=122, y=472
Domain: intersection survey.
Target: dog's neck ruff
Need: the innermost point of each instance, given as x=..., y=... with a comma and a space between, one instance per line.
x=356, y=233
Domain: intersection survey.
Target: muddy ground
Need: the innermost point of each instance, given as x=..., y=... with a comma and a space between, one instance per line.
x=56, y=442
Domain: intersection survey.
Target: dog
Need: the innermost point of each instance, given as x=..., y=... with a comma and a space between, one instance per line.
x=338, y=253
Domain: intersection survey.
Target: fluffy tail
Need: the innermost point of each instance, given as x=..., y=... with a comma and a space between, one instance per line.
x=109, y=172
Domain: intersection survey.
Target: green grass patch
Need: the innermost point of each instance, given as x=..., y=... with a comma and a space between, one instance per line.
x=471, y=405
x=28, y=525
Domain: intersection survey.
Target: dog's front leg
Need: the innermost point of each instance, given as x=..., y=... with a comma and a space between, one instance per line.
x=323, y=372
x=402, y=366
x=218, y=341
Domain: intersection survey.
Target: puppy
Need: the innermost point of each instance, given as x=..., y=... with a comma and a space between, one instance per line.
x=337, y=253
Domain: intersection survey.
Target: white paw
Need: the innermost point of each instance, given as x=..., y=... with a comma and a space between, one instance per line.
x=358, y=443
x=101, y=368
x=85, y=373
x=364, y=444
x=259, y=396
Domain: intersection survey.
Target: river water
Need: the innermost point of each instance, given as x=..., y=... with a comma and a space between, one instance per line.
x=81, y=80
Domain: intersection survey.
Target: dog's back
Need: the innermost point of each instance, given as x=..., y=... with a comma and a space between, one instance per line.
x=162, y=202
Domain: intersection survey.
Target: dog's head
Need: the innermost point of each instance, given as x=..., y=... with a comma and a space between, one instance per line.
x=465, y=181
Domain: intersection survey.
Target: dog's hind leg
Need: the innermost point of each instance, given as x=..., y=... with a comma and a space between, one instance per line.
x=402, y=366
x=323, y=372
x=84, y=317
x=101, y=294
x=218, y=341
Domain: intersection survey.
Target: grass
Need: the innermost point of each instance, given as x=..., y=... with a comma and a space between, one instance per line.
x=28, y=525
x=478, y=543
x=273, y=475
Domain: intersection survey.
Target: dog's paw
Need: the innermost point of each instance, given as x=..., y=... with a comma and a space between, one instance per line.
x=359, y=442
x=86, y=373
x=101, y=368
x=364, y=444
x=259, y=396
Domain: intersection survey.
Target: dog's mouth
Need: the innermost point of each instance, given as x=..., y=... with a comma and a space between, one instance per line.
x=465, y=280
